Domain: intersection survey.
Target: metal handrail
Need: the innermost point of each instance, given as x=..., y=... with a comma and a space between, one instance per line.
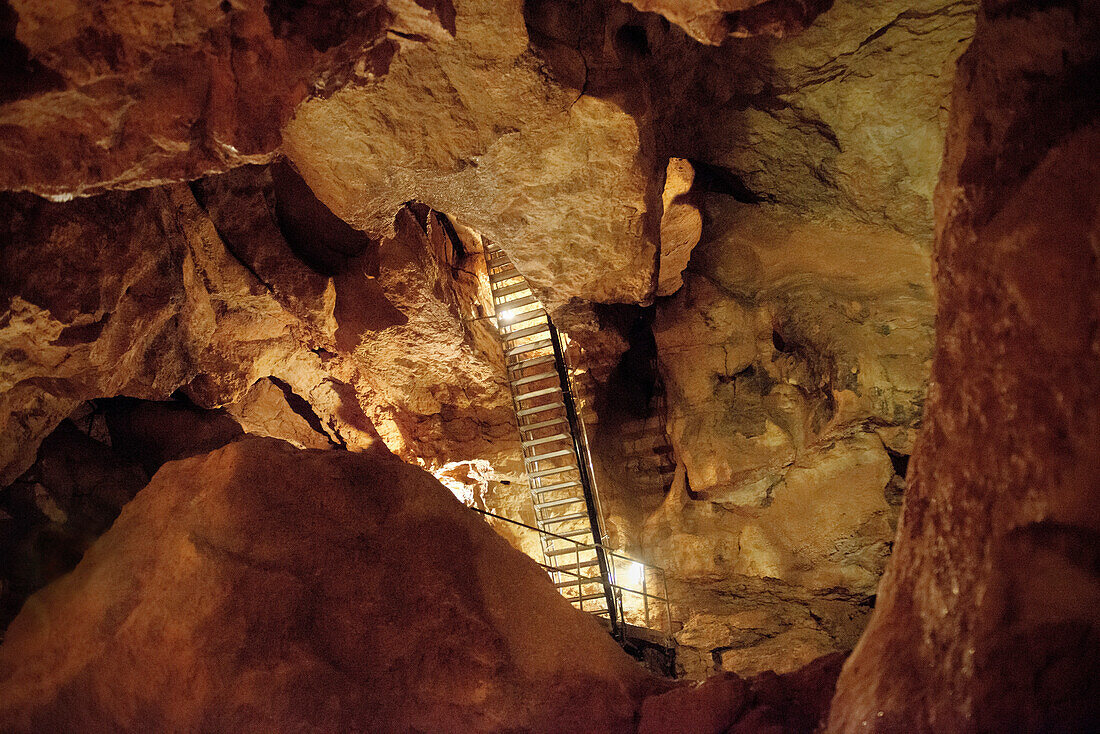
x=644, y=595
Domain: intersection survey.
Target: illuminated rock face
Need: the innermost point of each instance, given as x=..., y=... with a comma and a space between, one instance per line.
x=476, y=128
x=262, y=588
x=226, y=298
x=102, y=94
x=988, y=618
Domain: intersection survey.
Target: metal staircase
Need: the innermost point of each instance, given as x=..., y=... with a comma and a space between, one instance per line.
x=554, y=453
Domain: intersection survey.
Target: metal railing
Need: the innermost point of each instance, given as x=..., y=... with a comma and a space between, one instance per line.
x=641, y=590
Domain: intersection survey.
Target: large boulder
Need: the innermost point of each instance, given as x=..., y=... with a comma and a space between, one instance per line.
x=266, y=588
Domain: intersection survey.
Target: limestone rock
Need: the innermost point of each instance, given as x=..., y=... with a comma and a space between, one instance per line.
x=435, y=623
x=748, y=625
x=215, y=293
x=271, y=409
x=713, y=21
x=476, y=128
x=993, y=590
x=794, y=703
x=105, y=94
x=681, y=225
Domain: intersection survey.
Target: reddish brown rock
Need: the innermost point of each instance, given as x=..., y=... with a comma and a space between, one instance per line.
x=713, y=21
x=265, y=588
x=795, y=703
x=988, y=618
x=108, y=94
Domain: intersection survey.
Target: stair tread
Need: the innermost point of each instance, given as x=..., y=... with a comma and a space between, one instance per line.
x=575, y=566
x=516, y=303
x=541, y=392
x=584, y=548
x=523, y=317
x=551, y=455
x=508, y=290
x=539, y=409
x=528, y=428
x=524, y=364
x=512, y=336
x=555, y=487
x=558, y=503
x=545, y=439
x=585, y=597
x=508, y=271
x=524, y=348
x=564, y=518
x=554, y=470
x=533, y=378
x=579, y=581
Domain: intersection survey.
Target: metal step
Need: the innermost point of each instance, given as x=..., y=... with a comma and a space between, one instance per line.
x=585, y=597
x=585, y=548
x=579, y=581
x=563, y=518
x=533, y=378
x=575, y=533
x=531, y=427
x=525, y=348
x=555, y=487
x=575, y=566
x=525, y=316
x=546, y=439
x=508, y=290
x=540, y=393
x=558, y=503
x=551, y=455
x=525, y=363
x=507, y=273
x=512, y=336
x=548, y=472
x=517, y=303
x=539, y=409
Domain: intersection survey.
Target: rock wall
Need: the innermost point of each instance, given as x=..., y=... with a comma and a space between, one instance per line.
x=475, y=127
x=987, y=619
x=207, y=289
x=794, y=358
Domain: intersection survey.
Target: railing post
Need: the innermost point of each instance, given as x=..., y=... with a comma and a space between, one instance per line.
x=613, y=608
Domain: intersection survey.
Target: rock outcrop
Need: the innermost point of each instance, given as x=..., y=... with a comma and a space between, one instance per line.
x=261, y=587
x=147, y=292
x=475, y=127
x=989, y=616
x=795, y=703
x=713, y=21
x=102, y=94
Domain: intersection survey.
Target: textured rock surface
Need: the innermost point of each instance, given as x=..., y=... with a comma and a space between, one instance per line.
x=476, y=128
x=713, y=21
x=993, y=591
x=747, y=626
x=795, y=703
x=796, y=354
x=433, y=623
x=105, y=94
x=213, y=297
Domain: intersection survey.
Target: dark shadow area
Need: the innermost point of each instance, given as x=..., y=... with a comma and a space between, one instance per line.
x=318, y=237
x=20, y=75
